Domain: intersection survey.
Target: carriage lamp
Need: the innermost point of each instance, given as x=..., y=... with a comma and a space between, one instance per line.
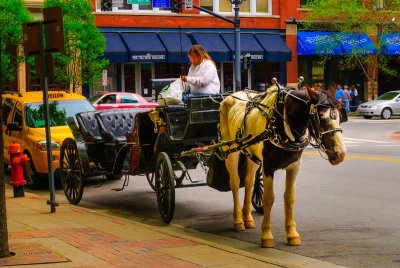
x=155, y=118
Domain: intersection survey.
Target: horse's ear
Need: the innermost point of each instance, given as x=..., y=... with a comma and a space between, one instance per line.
x=313, y=93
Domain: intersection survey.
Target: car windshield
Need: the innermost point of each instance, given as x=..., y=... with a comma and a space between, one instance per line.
x=59, y=111
x=95, y=98
x=388, y=96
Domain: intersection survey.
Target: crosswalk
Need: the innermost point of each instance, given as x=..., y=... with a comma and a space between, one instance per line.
x=354, y=142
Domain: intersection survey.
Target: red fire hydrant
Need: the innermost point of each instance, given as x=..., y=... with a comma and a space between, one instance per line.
x=17, y=160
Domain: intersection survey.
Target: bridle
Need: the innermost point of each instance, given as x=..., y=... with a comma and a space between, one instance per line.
x=314, y=123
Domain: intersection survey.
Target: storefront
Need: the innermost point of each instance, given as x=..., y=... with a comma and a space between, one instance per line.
x=311, y=45
x=137, y=56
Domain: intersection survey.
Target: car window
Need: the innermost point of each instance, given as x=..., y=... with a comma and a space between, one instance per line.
x=8, y=105
x=388, y=96
x=108, y=99
x=18, y=114
x=59, y=111
x=127, y=98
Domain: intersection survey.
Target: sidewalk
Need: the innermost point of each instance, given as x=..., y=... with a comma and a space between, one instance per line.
x=75, y=236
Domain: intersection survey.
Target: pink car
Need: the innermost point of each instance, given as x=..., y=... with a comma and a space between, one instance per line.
x=110, y=100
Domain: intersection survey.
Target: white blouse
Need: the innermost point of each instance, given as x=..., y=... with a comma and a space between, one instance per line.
x=203, y=78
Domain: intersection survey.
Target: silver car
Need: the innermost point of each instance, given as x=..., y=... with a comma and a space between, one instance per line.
x=385, y=106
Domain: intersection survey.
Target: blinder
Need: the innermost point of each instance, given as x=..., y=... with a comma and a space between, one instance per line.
x=343, y=115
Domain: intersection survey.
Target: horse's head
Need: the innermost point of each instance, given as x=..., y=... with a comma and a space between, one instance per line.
x=324, y=125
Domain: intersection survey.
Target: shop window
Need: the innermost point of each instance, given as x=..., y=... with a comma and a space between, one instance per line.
x=130, y=81
x=145, y=76
x=317, y=74
x=250, y=6
x=263, y=72
x=228, y=77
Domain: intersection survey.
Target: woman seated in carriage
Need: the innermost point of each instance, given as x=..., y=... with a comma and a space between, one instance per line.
x=202, y=78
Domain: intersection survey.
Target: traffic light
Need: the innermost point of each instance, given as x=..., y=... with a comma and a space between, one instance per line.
x=246, y=61
x=106, y=5
x=175, y=6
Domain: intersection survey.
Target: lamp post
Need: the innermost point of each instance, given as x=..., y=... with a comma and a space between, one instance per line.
x=236, y=24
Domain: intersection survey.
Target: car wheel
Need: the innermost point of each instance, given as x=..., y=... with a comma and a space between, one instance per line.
x=367, y=116
x=386, y=113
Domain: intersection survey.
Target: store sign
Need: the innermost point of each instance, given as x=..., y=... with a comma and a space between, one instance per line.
x=148, y=56
x=160, y=3
x=139, y=2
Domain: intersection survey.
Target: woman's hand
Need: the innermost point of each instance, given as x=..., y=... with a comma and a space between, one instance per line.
x=183, y=78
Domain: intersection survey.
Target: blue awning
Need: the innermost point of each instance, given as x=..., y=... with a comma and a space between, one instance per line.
x=391, y=44
x=178, y=46
x=333, y=43
x=275, y=48
x=145, y=47
x=248, y=44
x=214, y=45
x=115, y=51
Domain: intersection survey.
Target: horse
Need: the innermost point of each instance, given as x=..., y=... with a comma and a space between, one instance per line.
x=281, y=124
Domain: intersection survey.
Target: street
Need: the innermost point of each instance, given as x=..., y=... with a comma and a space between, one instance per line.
x=346, y=214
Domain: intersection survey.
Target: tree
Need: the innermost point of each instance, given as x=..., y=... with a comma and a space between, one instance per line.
x=12, y=14
x=82, y=60
x=374, y=17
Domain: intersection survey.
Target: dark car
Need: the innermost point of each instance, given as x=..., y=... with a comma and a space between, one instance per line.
x=110, y=100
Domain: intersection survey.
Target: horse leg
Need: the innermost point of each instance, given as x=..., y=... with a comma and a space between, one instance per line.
x=267, y=239
x=232, y=163
x=293, y=238
x=251, y=169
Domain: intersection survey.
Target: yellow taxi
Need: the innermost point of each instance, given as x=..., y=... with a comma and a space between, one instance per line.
x=24, y=123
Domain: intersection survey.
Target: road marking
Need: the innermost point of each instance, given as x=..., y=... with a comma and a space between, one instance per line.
x=364, y=140
x=371, y=158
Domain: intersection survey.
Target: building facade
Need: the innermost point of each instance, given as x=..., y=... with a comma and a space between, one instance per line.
x=144, y=41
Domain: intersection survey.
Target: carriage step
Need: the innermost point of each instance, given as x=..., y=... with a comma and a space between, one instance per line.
x=191, y=185
x=126, y=182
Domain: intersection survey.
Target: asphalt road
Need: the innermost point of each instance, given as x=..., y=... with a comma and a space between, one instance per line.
x=346, y=214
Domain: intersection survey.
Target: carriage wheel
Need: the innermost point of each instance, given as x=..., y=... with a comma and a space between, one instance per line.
x=165, y=187
x=71, y=171
x=258, y=191
x=150, y=179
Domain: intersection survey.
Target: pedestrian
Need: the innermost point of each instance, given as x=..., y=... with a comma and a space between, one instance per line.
x=346, y=98
x=203, y=76
x=339, y=92
x=354, y=96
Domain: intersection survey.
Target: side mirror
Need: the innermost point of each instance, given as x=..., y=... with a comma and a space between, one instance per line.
x=14, y=126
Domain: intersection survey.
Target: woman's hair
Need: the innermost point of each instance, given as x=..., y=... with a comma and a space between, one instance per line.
x=200, y=52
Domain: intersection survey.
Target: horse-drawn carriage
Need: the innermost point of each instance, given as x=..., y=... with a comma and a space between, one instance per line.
x=158, y=143
x=237, y=138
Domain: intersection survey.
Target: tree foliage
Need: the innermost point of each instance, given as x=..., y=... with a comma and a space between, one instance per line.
x=12, y=14
x=373, y=17
x=82, y=60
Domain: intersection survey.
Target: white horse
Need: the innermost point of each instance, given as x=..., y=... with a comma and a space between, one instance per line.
x=288, y=119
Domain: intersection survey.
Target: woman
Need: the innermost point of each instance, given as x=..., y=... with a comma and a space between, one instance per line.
x=203, y=77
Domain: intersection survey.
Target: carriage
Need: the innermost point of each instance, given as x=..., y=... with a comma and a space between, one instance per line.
x=162, y=143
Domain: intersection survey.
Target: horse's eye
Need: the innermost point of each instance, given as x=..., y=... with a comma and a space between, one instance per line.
x=333, y=114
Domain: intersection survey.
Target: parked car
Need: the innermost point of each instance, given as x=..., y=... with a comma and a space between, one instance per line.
x=385, y=106
x=24, y=123
x=110, y=100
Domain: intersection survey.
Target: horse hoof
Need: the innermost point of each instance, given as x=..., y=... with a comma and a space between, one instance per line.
x=294, y=241
x=267, y=243
x=239, y=227
x=249, y=224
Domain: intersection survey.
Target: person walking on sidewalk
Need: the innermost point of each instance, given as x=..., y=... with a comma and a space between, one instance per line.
x=346, y=98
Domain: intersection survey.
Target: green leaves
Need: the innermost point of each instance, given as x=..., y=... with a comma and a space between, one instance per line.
x=82, y=60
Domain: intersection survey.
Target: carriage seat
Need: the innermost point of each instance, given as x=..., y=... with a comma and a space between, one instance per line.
x=115, y=124
x=89, y=127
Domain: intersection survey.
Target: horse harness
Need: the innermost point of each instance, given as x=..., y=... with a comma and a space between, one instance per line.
x=275, y=131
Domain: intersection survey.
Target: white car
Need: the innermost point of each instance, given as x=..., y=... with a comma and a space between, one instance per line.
x=385, y=106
